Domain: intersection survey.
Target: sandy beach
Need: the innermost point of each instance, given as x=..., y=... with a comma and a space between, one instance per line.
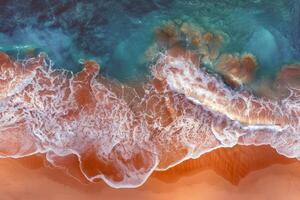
x=242, y=172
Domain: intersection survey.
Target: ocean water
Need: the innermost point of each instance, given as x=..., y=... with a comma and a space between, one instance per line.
x=117, y=33
x=115, y=90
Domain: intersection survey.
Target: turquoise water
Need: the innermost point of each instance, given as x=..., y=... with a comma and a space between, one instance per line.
x=118, y=33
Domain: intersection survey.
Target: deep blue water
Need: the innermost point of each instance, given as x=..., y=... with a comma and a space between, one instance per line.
x=117, y=33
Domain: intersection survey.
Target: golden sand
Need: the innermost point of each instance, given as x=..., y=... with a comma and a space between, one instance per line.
x=242, y=172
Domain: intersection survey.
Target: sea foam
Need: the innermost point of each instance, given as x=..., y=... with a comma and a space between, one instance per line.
x=121, y=133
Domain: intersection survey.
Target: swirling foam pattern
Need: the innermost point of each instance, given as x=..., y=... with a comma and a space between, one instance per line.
x=121, y=134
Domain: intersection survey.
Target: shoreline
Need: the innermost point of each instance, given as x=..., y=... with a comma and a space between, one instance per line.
x=233, y=172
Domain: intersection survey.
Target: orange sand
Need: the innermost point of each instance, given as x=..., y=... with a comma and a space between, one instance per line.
x=236, y=173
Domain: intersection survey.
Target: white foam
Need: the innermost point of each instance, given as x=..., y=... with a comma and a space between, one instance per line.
x=201, y=120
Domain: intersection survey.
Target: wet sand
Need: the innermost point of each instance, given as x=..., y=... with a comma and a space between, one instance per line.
x=242, y=172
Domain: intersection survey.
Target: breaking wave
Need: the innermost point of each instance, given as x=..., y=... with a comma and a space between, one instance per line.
x=121, y=133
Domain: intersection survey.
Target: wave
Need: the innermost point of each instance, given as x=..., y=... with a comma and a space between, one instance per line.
x=121, y=133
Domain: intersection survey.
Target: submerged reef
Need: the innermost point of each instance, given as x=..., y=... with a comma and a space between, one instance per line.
x=206, y=45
